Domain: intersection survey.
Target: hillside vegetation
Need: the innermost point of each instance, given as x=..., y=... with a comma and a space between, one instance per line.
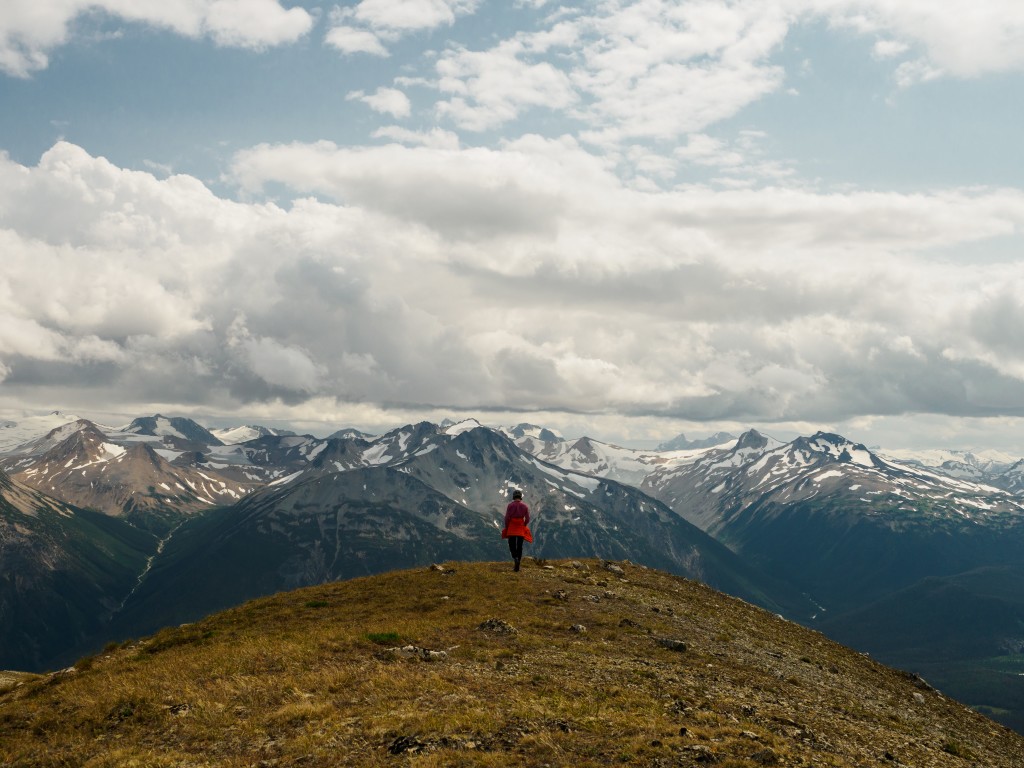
x=581, y=663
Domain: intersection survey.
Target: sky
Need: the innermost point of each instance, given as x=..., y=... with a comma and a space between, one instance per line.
x=615, y=218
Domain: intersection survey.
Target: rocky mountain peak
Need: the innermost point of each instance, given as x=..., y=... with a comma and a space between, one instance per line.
x=751, y=439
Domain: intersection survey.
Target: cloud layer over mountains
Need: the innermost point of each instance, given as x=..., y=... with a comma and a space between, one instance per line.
x=524, y=277
x=547, y=219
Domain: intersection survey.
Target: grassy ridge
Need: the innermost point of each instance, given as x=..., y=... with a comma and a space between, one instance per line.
x=582, y=678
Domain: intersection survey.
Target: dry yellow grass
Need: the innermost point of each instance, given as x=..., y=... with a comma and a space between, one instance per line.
x=306, y=678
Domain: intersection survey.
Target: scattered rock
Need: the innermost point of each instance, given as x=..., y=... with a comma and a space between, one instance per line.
x=916, y=680
x=701, y=754
x=765, y=757
x=672, y=644
x=576, y=564
x=609, y=595
x=441, y=569
x=498, y=627
x=560, y=594
x=629, y=623
x=919, y=698
x=415, y=652
x=617, y=570
x=592, y=598
x=404, y=744
x=579, y=629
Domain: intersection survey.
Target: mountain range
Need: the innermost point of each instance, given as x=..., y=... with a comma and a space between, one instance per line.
x=852, y=541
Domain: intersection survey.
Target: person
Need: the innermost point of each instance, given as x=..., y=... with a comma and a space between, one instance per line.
x=516, y=530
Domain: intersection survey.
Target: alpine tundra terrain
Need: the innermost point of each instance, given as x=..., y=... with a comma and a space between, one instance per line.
x=583, y=663
x=912, y=557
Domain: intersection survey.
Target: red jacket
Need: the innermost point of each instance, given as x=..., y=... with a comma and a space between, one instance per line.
x=517, y=516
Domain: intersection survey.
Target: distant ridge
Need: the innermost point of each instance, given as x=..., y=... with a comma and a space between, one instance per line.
x=680, y=443
x=176, y=426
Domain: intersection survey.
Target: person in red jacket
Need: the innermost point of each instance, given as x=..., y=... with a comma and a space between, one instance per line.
x=517, y=517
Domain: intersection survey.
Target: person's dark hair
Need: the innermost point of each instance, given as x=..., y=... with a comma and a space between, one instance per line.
x=517, y=494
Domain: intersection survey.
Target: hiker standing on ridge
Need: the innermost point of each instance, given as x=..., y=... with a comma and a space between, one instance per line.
x=517, y=517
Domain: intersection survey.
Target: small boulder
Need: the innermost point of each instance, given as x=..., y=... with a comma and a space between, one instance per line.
x=404, y=744
x=579, y=629
x=765, y=757
x=498, y=627
x=672, y=644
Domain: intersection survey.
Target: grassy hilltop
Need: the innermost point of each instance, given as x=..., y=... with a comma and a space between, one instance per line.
x=567, y=663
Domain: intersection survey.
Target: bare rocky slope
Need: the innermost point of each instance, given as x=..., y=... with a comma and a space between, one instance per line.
x=462, y=664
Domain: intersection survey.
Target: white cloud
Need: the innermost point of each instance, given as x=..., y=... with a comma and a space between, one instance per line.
x=436, y=138
x=524, y=277
x=963, y=38
x=409, y=15
x=354, y=40
x=887, y=49
x=493, y=87
x=30, y=29
x=388, y=101
x=659, y=70
x=371, y=25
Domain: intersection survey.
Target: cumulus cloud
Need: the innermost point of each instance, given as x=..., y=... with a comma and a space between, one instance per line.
x=562, y=289
x=660, y=71
x=389, y=101
x=412, y=14
x=354, y=40
x=490, y=88
x=371, y=25
x=30, y=29
x=960, y=37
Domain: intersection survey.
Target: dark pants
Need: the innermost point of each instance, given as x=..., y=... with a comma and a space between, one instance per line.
x=515, y=546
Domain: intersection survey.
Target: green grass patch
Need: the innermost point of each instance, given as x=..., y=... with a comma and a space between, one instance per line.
x=383, y=638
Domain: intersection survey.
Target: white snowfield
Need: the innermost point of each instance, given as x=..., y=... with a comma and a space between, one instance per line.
x=17, y=431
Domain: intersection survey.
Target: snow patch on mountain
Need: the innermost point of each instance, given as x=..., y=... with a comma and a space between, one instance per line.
x=463, y=426
x=14, y=433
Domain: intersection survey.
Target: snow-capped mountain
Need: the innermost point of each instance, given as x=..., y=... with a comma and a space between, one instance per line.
x=176, y=431
x=838, y=520
x=625, y=465
x=350, y=434
x=416, y=495
x=128, y=479
x=722, y=483
x=16, y=432
x=243, y=434
x=990, y=467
